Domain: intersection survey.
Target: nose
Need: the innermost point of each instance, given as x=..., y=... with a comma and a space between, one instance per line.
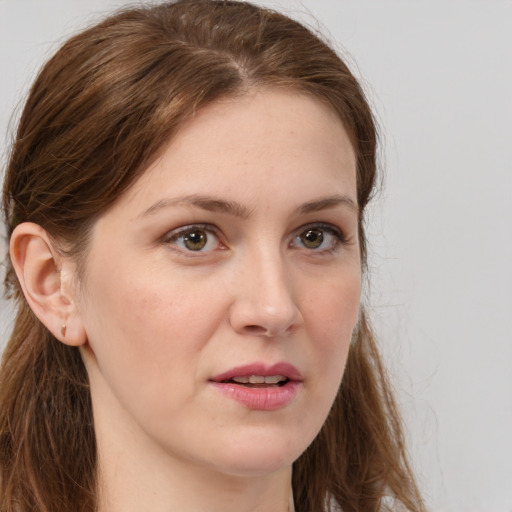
x=264, y=303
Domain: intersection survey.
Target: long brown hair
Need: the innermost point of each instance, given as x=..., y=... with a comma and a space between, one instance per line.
x=96, y=116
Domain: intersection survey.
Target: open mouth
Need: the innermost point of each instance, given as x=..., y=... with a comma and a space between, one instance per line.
x=259, y=381
x=259, y=386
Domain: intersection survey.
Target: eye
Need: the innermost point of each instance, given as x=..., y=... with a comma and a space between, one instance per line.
x=312, y=238
x=194, y=239
x=318, y=238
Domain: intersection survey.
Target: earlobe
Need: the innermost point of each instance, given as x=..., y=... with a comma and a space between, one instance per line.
x=45, y=279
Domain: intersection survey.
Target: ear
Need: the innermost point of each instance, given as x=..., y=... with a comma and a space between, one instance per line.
x=48, y=282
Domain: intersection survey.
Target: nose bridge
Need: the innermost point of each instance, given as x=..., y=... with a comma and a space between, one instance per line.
x=273, y=288
x=265, y=301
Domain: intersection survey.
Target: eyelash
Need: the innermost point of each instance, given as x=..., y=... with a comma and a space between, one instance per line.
x=339, y=236
x=174, y=236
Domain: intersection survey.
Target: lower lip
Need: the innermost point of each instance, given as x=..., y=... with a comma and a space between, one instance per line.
x=261, y=399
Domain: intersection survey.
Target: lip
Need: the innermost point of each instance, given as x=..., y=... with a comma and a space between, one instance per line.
x=285, y=369
x=260, y=398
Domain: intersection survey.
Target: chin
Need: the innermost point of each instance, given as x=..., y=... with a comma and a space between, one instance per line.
x=263, y=454
x=255, y=467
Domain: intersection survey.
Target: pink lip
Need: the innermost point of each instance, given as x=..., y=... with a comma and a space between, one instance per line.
x=264, y=398
x=284, y=369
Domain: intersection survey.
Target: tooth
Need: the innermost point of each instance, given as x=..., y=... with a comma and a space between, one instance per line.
x=241, y=380
x=259, y=379
x=274, y=379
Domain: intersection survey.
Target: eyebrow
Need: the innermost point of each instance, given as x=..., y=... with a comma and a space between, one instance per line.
x=329, y=203
x=208, y=203
x=213, y=204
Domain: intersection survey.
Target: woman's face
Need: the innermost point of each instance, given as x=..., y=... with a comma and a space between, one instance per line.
x=221, y=291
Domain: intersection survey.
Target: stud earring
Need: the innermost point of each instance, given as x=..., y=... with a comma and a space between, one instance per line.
x=63, y=330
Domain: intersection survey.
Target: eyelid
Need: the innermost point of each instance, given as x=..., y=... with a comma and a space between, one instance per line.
x=171, y=236
x=325, y=226
x=322, y=226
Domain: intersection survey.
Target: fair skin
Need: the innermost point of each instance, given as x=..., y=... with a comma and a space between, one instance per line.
x=238, y=246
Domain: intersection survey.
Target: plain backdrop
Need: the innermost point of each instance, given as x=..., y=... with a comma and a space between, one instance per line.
x=439, y=75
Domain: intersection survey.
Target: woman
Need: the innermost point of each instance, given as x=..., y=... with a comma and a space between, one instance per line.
x=185, y=202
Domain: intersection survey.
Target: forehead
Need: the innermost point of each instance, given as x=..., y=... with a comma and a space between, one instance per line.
x=267, y=141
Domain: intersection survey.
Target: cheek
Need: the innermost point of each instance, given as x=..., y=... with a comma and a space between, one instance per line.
x=333, y=311
x=142, y=324
x=332, y=314
x=146, y=342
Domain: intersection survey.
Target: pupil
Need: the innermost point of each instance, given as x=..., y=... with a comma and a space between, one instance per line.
x=195, y=240
x=312, y=238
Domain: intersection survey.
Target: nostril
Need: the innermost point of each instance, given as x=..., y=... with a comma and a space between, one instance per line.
x=255, y=329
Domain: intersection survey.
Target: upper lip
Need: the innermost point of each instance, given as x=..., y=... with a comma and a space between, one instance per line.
x=285, y=369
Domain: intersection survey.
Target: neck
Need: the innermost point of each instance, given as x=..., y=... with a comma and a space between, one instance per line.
x=129, y=484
